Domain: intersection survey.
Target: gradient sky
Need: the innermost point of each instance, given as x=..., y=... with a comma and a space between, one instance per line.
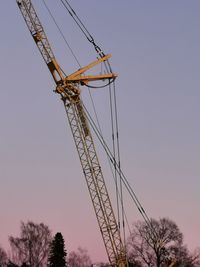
x=155, y=50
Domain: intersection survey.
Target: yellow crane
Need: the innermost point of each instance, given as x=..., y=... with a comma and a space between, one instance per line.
x=172, y=262
x=68, y=87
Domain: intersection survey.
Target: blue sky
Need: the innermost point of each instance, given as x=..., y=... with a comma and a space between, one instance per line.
x=155, y=51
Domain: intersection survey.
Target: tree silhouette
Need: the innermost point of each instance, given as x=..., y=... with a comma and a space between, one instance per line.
x=11, y=264
x=32, y=247
x=151, y=246
x=3, y=257
x=79, y=258
x=57, y=255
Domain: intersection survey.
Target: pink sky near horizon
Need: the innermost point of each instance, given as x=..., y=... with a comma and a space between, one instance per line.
x=155, y=51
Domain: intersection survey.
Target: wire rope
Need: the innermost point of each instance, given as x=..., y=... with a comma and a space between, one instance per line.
x=61, y=32
x=114, y=153
x=113, y=161
x=82, y=27
x=119, y=159
x=85, y=31
x=93, y=125
x=91, y=39
x=108, y=68
x=118, y=193
x=124, y=179
x=95, y=112
x=99, y=126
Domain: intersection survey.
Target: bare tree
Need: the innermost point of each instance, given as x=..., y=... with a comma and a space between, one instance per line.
x=186, y=258
x=11, y=264
x=195, y=257
x=32, y=246
x=79, y=258
x=150, y=246
x=3, y=257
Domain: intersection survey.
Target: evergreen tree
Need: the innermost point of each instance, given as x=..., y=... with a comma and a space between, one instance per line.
x=57, y=255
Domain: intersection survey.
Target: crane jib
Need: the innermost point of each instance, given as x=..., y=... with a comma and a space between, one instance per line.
x=66, y=86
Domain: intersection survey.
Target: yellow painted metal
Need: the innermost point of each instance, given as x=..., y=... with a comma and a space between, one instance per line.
x=70, y=94
x=77, y=78
x=90, y=78
x=91, y=65
x=172, y=263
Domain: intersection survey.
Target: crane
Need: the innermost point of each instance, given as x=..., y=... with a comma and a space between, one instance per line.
x=172, y=262
x=68, y=87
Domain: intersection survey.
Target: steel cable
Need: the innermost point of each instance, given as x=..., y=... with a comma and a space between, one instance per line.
x=124, y=179
x=60, y=31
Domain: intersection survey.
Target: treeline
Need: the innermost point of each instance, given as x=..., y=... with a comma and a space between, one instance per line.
x=35, y=247
x=156, y=245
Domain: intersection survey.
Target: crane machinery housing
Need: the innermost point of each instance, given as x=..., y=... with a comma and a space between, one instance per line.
x=68, y=88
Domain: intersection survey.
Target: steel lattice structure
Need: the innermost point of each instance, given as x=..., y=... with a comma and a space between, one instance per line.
x=68, y=88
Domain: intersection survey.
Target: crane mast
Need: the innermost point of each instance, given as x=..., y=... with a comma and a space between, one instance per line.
x=68, y=88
